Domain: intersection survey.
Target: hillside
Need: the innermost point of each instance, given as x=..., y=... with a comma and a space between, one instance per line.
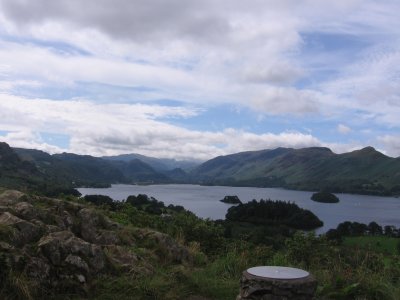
x=88, y=170
x=364, y=171
x=71, y=248
x=158, y=164
x=15, y=172
x=361, y=171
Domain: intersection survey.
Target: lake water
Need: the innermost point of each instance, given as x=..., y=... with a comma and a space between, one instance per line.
x=204, y=201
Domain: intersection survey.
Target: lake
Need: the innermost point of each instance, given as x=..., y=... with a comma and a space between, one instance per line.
x=204, y=201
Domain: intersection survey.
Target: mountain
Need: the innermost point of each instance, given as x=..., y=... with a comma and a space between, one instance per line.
x=158, y=164
x=364, y=171
x=361, y=171
x=136, y=170
x=15, y=172
x=81, y=170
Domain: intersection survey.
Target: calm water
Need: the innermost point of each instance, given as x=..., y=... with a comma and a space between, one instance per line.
x=203, y=201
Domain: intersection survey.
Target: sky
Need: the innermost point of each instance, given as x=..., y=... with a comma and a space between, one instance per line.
x=197, y=79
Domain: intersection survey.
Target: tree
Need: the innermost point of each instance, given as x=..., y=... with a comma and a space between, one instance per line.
x=374, y=228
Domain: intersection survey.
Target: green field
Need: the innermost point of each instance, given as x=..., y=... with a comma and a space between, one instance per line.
x=381, y=244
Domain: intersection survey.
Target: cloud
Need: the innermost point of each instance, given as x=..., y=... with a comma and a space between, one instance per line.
x=30, y=140
x=108, y=129
x=253, y=54
x=391, y=144
x=343, y=129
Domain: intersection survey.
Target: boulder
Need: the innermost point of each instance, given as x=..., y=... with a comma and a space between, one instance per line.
x=77, y=263
x=10, y=197
x=96, y=228
x=57, y=246
x=25, y=211
x=24, y=232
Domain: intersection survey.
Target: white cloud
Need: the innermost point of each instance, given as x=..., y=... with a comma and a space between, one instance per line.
x=391, y=144
x=343, y=129
x=30, y=140
x=205, y=53
x=107, y=129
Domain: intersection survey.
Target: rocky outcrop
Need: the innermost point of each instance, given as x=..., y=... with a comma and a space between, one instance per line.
x=22, y=232
x=96, y=228
x=60, y=245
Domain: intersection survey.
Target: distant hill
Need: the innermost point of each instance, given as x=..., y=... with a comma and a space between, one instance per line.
x=15, y=172
x=158, y=164
x=85, y=170
x=363, y=171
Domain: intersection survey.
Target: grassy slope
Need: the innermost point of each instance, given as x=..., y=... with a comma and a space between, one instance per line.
x=381, y=244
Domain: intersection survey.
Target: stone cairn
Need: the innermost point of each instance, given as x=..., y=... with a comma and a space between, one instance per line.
x=276, y=283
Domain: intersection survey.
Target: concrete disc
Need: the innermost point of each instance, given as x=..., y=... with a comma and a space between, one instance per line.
x=278, y=272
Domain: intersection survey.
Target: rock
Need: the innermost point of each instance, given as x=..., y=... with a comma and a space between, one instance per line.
x=77, y=262
x=81, y=278
x=25, y=210
x=107, y=237
x=5, y=246
x=96, y=228
x=63, y=219
x=52, y=228
x=26, y=232
x=57, y=246
x=10, y=197
x=120, y=257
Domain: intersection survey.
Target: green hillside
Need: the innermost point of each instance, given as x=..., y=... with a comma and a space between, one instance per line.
x=88, y=170
x=361, y=171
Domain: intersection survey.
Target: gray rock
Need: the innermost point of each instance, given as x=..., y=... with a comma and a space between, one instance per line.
x=81, y=278
x=26, y=232
x=52, y=228
x=96, y=228
x=10, y=197
x=57, y=246
x=77, y=262
x=25, y=211
x=5, y=246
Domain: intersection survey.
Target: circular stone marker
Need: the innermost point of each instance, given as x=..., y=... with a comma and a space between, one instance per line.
x=278, y=272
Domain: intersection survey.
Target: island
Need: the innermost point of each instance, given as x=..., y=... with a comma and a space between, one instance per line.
x=231, y=200
x=274, y=213
x=324, y=197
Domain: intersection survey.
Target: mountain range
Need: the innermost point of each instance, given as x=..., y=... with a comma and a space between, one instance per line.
x=364, y=171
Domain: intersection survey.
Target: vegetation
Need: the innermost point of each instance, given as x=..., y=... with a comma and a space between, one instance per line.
x=268, y=212
x=353, y=261
x=343, y=271
x=231, y=200
x=324, y=197
x=219, y=254
x=380, y=244
x=364, y=171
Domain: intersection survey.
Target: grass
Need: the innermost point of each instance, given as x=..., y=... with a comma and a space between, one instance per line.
x=381, y=244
